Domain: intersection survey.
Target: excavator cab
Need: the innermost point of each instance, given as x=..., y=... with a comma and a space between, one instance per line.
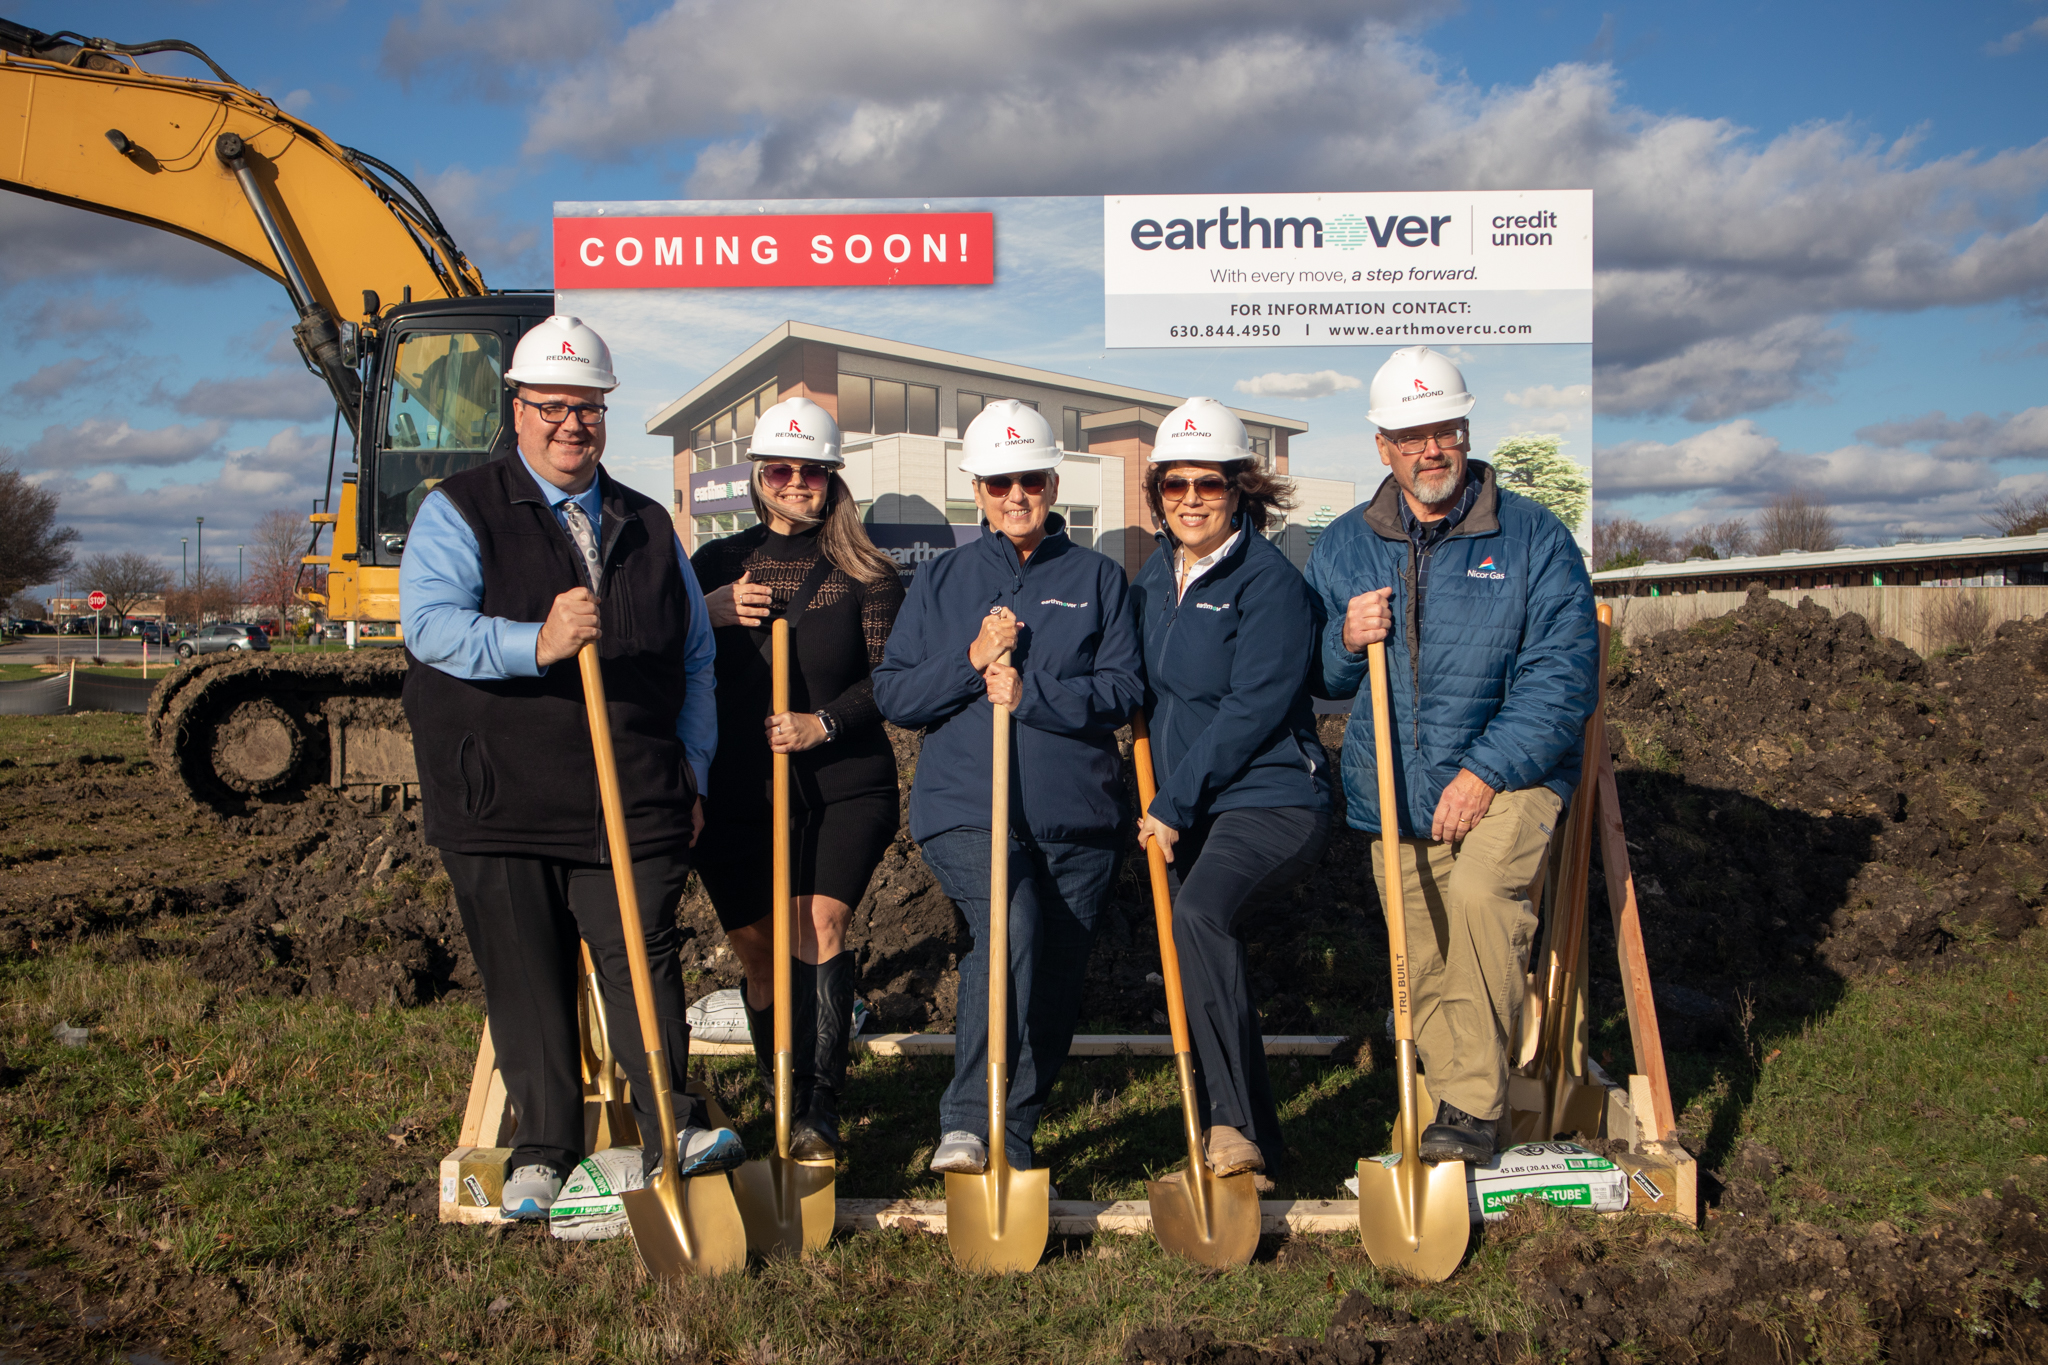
x=439, y=405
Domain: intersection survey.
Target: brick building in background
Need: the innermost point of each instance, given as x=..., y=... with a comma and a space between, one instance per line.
x=902, y=407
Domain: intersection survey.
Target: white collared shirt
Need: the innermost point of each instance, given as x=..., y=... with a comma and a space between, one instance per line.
x=1194, y=571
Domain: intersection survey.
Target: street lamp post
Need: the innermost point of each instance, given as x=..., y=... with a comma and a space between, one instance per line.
x=238, y=579
x=184, y=563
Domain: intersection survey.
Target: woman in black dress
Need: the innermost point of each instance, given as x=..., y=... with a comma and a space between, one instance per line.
x=810, y=560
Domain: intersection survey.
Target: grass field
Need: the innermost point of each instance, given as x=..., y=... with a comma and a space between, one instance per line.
x=238, y=1137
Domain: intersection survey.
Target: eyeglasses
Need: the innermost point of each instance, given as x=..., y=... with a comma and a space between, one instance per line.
x=1453, y=438
x=777, y=476
x=554, y=414
x=998, y=485
x=1208, y=488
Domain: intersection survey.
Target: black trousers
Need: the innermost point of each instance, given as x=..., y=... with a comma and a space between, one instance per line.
x=524, y=916
x=1231, y=862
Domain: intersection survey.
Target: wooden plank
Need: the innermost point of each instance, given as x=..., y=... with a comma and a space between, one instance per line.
x=1078, y=1218
x=480, y=1079
x=1644, y=1034
x=1084, y=1045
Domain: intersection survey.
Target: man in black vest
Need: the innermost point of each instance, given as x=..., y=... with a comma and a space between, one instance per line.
x=510, y=569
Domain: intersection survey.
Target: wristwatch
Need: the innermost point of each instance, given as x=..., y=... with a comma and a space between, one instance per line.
x=831, y=725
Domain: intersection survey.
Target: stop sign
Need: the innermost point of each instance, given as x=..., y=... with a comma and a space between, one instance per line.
x=97, y=600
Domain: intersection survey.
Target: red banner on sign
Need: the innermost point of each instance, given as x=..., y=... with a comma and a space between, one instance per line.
x=768, y=251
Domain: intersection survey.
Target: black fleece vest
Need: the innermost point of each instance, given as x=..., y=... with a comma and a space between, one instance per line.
x=506, y=765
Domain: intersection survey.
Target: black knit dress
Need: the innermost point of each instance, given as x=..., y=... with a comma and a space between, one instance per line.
x=843, y=797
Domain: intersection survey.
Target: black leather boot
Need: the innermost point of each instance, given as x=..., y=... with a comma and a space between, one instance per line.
x=761, y=1028
x=816, y=1135
x=1457, y=1136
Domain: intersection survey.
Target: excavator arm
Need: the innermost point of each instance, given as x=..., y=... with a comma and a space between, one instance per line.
x=82, y=123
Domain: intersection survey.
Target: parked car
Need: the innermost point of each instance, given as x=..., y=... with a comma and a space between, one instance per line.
x=149, y=632
x=223, y=635
x=28, y=627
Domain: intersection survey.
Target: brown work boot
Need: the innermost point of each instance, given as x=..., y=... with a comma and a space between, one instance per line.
x=1230, y=1151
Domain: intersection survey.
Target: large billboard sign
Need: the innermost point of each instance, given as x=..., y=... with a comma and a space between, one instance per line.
x=905, y=317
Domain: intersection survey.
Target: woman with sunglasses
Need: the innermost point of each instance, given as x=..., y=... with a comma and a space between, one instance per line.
x=810, y=560
x=1025, y=618
x=1243, y=806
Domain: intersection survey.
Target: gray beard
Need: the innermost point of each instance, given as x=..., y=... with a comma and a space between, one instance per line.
x=1437, y=487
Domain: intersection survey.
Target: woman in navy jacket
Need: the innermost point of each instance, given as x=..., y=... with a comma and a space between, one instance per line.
x=1063, y=613
x=1243, y=808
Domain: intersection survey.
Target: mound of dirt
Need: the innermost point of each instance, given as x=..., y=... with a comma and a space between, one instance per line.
x=1800, y=790
x=1966, y=1289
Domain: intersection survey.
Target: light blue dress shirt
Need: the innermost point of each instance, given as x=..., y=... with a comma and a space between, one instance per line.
x=441, y=587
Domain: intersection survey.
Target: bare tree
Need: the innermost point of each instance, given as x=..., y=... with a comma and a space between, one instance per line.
x=273, y=572
x=33, y=547
x=126, y=578
x=1624, y=542
x=2014, y=515
x=1794, y=522
x=209, y=596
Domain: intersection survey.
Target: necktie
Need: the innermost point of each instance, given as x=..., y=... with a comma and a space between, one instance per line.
x=579, y=531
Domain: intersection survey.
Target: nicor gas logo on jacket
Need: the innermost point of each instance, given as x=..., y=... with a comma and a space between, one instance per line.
x=1487, y=569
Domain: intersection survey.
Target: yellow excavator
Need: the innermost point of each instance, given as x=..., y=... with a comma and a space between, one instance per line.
x=392, y=316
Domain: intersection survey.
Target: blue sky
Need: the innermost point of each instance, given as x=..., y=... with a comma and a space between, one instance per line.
x=1822, y=253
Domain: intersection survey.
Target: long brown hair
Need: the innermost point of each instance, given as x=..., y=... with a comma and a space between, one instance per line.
x=1260, y=496
x=841, y=537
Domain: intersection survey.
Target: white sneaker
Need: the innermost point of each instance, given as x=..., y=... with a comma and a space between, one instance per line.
x=530, y=1192
x=707, y=1151
x=960, y=1154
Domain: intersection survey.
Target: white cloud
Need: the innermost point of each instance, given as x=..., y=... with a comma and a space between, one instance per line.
x=290, y=395
x=2019, y=38
x=48, y=242
x=1551, y=397
x=297, y=102
x=106, y=441
x=1320, y=384
x=2023, y=434
x=1722, y=255
x=50, y=382
x=499, y=248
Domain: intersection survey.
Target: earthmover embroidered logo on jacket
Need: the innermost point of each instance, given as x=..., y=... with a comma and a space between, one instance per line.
x=1213, y=606
x=1487, y=569
x=1055, y=602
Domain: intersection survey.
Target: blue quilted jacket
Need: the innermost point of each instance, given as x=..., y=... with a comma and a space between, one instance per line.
x=1498, y=675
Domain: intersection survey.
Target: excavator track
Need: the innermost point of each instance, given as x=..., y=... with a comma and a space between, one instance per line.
x=233, y=730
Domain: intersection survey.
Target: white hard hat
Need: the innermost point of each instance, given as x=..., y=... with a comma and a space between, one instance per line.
x=1416, y=387
x=561, y=352
x=1202, y=430
x=1008, y=437
x=796, y=429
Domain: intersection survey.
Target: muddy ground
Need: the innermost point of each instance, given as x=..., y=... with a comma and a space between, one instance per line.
x=1805, y=801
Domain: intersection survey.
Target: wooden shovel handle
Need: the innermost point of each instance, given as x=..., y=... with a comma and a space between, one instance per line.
x=779, y=898
x=621, y=848
x=1390, y=841
x=1162, y=900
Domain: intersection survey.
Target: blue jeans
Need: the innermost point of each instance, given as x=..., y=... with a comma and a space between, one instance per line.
x=1056, y=893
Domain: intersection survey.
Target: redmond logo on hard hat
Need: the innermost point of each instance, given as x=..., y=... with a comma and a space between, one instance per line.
x=1421, y=387
x=1426, y=392
x=1187, y=424
x=567, y=349
x=794, y=427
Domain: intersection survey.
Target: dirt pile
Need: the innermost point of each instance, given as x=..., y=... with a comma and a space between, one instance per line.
x=1965, y=1289
x=1801, y=792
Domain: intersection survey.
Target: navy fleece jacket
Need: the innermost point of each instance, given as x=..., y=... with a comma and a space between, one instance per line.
x=1227, y=671
x=1497, y=670
x=1079, y=676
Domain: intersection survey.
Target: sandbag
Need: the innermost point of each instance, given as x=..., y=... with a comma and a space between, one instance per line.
x=1562, y=1173
x=589, y=1208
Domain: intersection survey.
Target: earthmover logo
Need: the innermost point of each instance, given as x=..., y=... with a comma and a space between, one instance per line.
x=1487, y=569
x=1055, y=602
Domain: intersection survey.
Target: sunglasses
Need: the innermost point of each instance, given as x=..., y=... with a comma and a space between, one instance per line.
x=999, y=484
x=1208, y=488
x=777, y=476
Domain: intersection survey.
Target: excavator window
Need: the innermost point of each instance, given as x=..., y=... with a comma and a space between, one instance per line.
x=444, y=410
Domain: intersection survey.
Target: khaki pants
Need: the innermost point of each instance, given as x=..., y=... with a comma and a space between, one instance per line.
x=1470, y=927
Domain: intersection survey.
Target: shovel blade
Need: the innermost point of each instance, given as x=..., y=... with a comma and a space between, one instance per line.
x=787, y=1205
x=999, y=1221
x=1232, y=1233
x=694, y=1230
x=1419, y=1228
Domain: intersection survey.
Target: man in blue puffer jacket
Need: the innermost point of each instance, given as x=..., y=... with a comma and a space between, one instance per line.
x=1491, y=679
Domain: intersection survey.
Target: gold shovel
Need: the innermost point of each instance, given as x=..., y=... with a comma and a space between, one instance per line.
x=999, y=1220
x=1411, y=1216
x=1210, y=1219
x=680, y=1227
x=786, y=1204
